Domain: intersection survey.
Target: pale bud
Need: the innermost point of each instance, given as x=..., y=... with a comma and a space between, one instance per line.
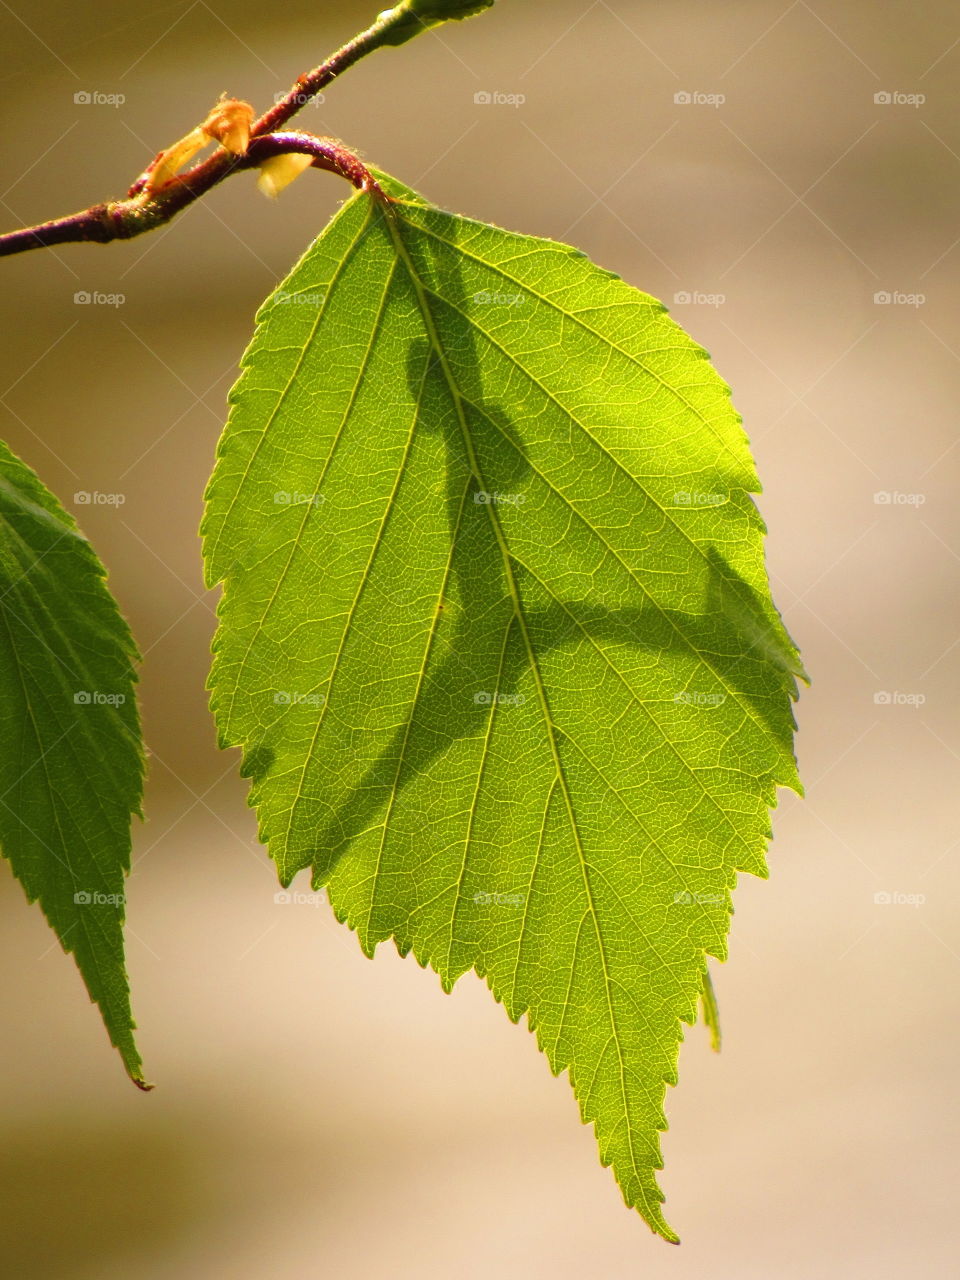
x=279, y=171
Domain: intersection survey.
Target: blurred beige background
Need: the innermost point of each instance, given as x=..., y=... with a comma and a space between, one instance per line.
x=321, y=1115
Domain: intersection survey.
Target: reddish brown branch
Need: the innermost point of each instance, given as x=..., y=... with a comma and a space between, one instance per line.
x=123, y=219
x=143, y=209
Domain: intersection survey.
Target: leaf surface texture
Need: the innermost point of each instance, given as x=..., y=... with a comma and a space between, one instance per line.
x=496, y=637
x=71, y=761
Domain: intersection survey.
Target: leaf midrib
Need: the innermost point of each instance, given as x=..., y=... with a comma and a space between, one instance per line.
x=392, y=223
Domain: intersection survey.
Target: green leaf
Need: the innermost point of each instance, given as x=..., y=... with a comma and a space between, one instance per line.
x=496, y=637
x=71, y=764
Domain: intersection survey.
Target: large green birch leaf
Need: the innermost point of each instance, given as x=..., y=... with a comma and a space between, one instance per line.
x=71, y=763
x=496, y=638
